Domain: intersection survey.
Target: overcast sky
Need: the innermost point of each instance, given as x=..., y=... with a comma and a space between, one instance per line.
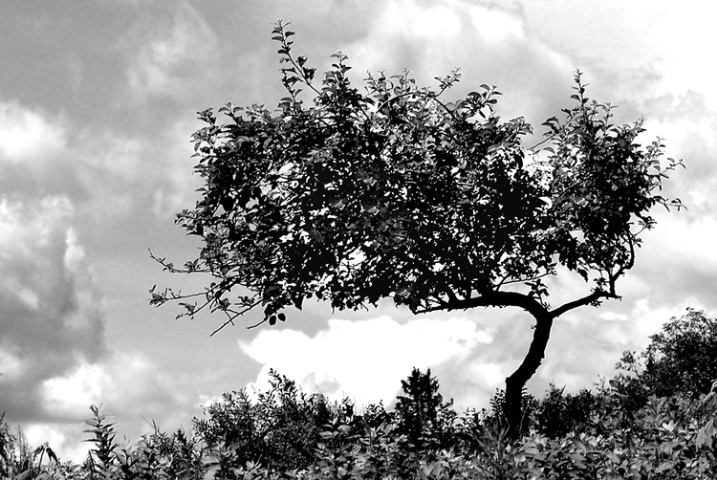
x=97, y=106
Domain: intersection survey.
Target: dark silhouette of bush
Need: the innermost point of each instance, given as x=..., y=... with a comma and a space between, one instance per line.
x=280, y=430
x=682, y=358
x=671, y=437
x=421, y=414
x=557, y=413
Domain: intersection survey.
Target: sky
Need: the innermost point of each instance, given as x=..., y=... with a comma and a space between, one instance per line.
x=98, y=101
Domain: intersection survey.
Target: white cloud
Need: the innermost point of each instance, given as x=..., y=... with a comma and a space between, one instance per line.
x=126, y=382
x=587, y=343
x=59, y=438
x=679, y=261
x=35, y=154
x=363, y=360
x=128, y=387
x=489, y=44
x=70, y=396
x=27, y=135
x=495, y=25
x=404, y=18
x=681, y=54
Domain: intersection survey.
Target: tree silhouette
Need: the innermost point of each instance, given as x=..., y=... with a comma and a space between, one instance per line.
x=681, y=358
x=399, y=193
x=421, y=412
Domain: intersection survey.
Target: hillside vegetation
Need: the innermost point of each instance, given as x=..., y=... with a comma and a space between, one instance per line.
x=653, y=420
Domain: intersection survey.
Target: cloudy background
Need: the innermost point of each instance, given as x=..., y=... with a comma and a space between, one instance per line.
x=97, y=105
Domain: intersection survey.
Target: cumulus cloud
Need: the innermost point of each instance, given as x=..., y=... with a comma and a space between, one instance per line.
x=489, y=44
x=364, y=360
x=124, y=175
x=128, y=385
x=52, y=317
x=33, y=153
x=105, y=174
x=128, y=388
x=26, y=134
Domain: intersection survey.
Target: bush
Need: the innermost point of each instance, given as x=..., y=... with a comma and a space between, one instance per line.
x=682, y=358
x=279, y=431
x=622, y=431
x=558, y=414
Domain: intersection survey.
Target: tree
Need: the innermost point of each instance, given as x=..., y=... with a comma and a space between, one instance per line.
x=421, y=413
x=398, y=193
x=682, y=358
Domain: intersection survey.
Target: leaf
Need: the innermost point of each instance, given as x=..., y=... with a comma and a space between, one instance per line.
x=51, y=454
x=211, y=472
x=706, y=435
x=583, y=273
x=579, y=445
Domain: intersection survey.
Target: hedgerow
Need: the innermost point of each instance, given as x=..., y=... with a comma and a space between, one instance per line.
x=622, y=429
x=286, y=434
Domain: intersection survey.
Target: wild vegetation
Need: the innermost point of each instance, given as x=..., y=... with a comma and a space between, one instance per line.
x=638, y=425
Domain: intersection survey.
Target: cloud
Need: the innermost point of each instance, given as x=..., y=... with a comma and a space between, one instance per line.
x=33, y=154
x=118, y=160
x=26, y=134
x=495, y=25
x=127, y=384
x=51, y=316
x=364, y=360
x=488, y=43
x=679, y=261
x=129, y=389
x=106, y=175
x=171, y=58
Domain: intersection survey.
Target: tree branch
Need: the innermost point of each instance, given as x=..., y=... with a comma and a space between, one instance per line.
x=494, y=299
x=586, y=300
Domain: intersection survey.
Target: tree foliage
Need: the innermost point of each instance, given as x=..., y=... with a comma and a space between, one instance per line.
x=399, y=193
x=682, y=358
x=396, y=192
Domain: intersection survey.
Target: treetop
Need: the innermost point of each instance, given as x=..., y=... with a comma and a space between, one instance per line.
x=392, y=191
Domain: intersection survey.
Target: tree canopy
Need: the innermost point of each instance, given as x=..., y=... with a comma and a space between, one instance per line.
x=393, y=191
x=682, y=358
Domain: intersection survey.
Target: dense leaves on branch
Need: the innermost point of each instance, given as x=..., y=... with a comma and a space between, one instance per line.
x=394, y=191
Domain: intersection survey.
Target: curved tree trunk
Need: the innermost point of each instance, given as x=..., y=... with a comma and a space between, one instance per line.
x=513, y=408
x=515, y=383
